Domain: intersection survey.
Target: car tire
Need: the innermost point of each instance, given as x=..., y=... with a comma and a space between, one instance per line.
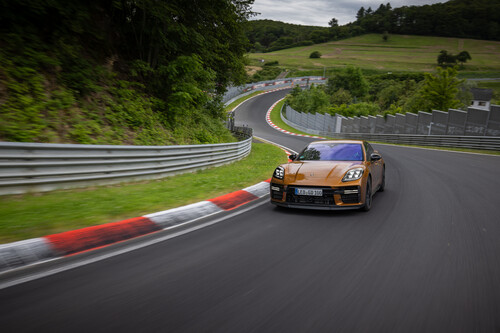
x=382, y=185
x=368, y=196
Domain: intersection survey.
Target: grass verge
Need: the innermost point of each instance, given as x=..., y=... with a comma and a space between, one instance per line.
x=276, y=119
x=35, y=215
x=234, y=104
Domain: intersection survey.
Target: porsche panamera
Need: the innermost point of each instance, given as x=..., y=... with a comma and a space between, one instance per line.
x=330, y=175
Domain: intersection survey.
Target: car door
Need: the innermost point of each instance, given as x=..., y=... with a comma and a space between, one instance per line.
x=375, y=166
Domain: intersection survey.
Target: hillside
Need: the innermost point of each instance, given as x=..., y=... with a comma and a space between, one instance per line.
x=146, y=73
x=400, y=53
x=269, y=35
x=476, y=19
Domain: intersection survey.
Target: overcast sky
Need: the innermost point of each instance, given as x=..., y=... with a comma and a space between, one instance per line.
x=320, y=12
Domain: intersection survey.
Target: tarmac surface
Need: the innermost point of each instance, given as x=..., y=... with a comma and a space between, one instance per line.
x=425, y=258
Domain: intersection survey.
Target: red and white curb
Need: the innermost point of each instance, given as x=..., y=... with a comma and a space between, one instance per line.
x=17, y=254
x=269, y=121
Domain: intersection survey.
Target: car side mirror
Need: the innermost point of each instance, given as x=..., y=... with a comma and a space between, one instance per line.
x=292, y=157
x=375, y=157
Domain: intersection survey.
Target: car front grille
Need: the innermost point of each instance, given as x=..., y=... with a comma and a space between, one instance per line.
x=325, y=199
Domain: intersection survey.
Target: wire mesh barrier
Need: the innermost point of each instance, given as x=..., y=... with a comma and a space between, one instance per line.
x=38, y=167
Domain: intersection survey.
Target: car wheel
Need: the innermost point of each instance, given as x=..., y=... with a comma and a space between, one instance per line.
x=382, y=185
x=368, y=196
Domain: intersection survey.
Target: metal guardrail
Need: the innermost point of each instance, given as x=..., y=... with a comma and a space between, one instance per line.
x=38, y=167
x=469, y=142
x=233, y=93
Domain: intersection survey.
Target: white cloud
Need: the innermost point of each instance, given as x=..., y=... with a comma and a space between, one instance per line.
x=320, y=12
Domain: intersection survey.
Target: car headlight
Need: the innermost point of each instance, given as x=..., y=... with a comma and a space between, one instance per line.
x=353, y=174
x=279, y=173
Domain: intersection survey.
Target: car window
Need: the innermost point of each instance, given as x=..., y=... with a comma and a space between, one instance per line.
x=369, y=150
x=332, y=152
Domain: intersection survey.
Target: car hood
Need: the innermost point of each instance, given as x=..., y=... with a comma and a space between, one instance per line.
x=318, y=172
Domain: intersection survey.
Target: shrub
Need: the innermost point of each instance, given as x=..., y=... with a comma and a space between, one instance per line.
x=313, y=100
x=355, y=110
x=315, y=54
x=272, y=63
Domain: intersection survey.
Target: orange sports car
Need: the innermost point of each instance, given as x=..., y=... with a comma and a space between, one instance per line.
x=341, y=174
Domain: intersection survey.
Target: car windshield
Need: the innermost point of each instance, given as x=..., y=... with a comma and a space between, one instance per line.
x=332, y=152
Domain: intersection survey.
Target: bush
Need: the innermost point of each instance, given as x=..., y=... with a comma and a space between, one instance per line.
x=272, y=63
x=313, y=100
x=355, y=110
x=265, y=74
x=350, y=78
x=340, y=97
x=315, y=54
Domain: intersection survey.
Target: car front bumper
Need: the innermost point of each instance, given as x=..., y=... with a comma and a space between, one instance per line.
x=333, y=198
x=315, y=207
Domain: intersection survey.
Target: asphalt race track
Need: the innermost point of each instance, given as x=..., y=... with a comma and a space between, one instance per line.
x=426, y=258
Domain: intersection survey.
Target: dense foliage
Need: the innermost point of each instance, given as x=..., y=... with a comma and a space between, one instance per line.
x=350, y=94
x=140, y=72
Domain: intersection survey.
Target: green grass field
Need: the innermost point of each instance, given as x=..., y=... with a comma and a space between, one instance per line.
x=400, y=53
x=276, y=119
x=35, y=215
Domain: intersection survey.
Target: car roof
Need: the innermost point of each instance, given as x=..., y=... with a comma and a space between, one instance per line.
x=339, y=141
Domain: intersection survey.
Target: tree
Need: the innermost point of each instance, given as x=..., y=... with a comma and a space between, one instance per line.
x=360, y=14
x=463, y=56
x=385, y=36
x=381, y=9
x=333, y=23
x=441, y=89
x=445, y=58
